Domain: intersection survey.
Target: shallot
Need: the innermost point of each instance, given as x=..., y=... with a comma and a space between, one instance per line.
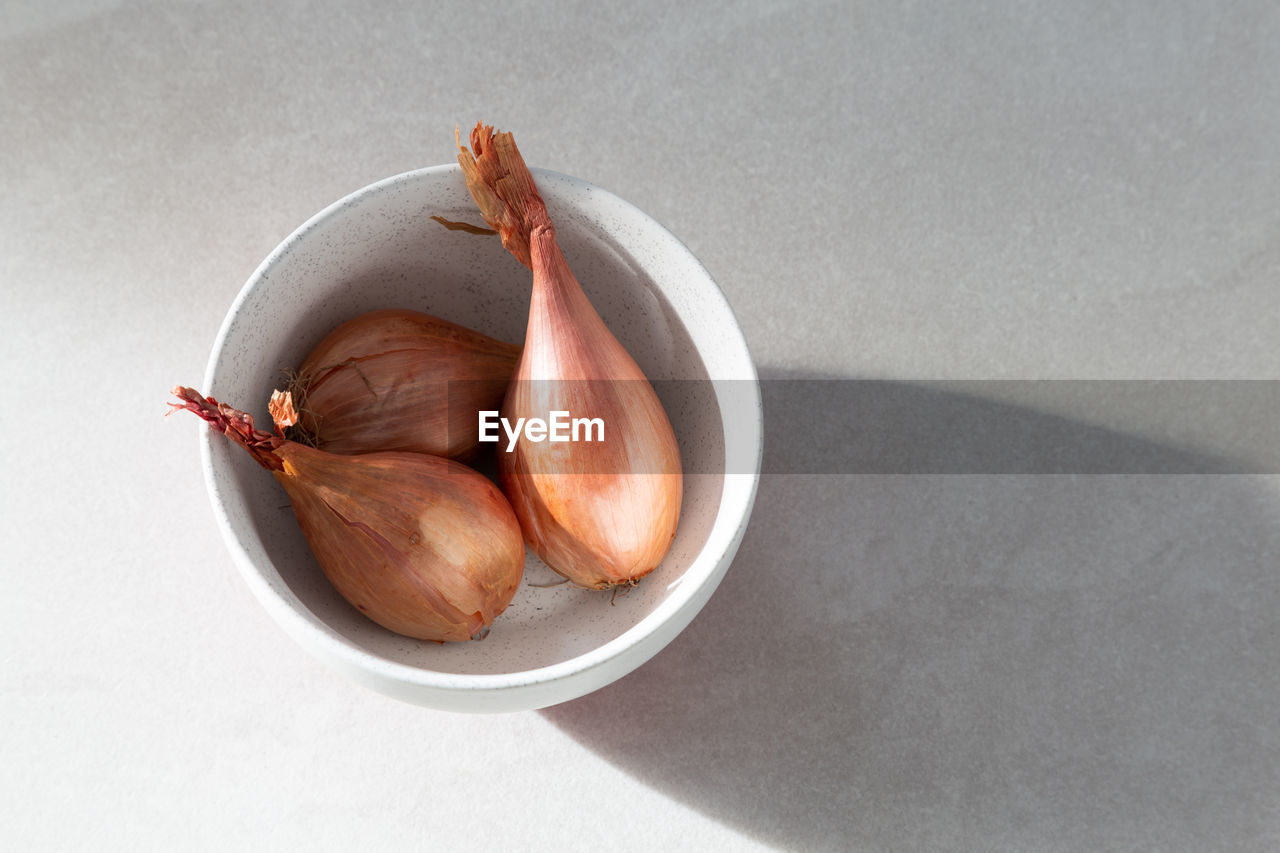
x=422, y=545
x=395, y=379
x=603, y=514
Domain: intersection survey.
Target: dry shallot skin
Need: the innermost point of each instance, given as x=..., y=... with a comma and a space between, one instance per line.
x=602, y=514
x=422, y=545
x=382, y=381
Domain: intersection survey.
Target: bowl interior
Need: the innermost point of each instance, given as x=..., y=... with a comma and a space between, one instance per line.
x=380, y=248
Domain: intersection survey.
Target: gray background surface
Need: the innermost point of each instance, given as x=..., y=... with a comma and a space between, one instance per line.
x=884, y=190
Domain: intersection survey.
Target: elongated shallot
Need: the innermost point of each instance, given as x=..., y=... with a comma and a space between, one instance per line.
x=601, y=513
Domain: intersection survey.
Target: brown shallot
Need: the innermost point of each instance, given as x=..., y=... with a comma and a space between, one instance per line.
x=396, y=379
x=422, y=545
x=604, y=513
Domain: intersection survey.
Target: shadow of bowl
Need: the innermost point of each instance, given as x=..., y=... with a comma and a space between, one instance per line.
x=976, y=647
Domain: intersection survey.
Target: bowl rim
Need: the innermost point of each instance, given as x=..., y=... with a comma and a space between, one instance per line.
x=675, y=610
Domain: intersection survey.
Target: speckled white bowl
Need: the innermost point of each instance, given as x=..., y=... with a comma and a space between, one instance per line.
x=379, y=248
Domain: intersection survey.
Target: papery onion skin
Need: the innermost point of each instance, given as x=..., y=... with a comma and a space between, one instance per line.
x=422, y=545
x=396, y=379
x=604, y=515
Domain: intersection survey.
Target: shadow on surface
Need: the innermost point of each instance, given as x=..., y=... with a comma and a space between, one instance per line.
x=969, y=661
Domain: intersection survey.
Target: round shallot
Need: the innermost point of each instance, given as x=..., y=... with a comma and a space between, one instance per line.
x=396, y=379
x=422, y=545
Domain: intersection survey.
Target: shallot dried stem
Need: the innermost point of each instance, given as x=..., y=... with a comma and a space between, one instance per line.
x=234, y=424
x=503, y=189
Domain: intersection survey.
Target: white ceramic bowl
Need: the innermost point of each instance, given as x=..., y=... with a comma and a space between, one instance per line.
x=379, y=248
